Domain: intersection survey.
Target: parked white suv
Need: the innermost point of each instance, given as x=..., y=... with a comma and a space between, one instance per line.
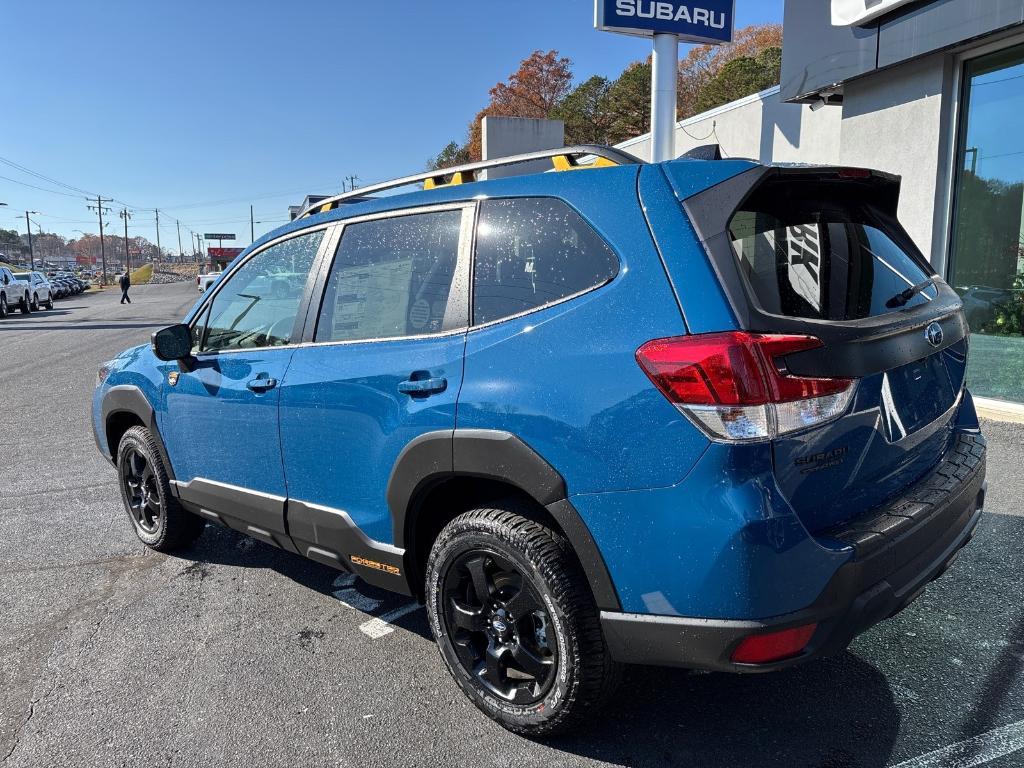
x=13, y=292
x=40, y=289
x=203, y=282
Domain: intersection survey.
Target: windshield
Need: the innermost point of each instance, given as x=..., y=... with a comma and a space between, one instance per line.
x=819, y=251
x=23, y=276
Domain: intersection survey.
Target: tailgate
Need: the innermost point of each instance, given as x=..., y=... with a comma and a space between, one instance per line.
x=819, y=252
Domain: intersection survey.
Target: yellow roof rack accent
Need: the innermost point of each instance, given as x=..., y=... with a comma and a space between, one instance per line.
x=570, y=163
x=459, y=177
x=564, y=158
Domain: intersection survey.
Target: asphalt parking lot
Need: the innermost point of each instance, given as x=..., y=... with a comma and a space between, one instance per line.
x=239, y=654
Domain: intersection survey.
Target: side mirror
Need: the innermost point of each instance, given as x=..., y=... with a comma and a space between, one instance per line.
x=173, y=342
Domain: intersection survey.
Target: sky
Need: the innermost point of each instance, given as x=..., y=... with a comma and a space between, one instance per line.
x=203, y=108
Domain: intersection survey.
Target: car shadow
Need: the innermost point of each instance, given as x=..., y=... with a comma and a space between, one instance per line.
x=219, y=545
x=831, y=713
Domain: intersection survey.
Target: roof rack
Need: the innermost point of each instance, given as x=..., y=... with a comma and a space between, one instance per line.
x=562, y=159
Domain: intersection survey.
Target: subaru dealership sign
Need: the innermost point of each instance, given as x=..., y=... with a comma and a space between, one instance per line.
x=694, y=21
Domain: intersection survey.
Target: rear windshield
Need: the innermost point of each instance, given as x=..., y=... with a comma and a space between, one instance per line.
x=819, y=250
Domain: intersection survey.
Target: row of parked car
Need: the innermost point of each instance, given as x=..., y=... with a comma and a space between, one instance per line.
x=32, y=291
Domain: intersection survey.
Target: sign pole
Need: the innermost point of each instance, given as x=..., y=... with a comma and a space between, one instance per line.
x=664, y=75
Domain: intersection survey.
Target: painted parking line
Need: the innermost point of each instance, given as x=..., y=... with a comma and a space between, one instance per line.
x=379, y=626
x=346, y=594
x=978, y=750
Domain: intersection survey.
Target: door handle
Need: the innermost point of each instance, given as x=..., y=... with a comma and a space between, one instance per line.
x=423, y=386
x=261, y=385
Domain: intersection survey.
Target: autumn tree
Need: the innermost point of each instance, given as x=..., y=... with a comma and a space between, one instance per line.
x=534, y=90
x=585, y=112
x=702, y=63
x=629, y=103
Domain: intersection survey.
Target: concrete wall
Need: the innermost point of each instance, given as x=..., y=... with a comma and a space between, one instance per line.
x=895, y=121
x=503, y=136
x=760, y=126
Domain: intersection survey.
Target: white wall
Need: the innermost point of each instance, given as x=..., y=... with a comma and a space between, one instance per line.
x=761, y=127
x=894, y=121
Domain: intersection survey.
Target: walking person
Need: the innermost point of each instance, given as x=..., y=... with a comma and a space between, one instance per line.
x=126, y=283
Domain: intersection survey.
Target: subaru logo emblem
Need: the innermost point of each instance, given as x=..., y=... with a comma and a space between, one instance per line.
x=500, y=625
x=933, y=333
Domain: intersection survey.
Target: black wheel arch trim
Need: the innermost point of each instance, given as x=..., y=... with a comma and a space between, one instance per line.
x=128, y=398
x=497, y=455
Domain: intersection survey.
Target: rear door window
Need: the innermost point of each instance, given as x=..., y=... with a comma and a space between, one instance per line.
x=531, y=252
x=814, y=251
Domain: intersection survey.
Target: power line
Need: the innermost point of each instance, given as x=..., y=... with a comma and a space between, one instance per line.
x=43, y=177
x=42, y=189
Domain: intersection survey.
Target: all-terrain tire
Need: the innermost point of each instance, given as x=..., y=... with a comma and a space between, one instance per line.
x=26, y=305
x=171, y=527
x=585, y=675
x=35, y=302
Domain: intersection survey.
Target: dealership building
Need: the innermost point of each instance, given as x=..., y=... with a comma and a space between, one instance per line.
x=934, y=92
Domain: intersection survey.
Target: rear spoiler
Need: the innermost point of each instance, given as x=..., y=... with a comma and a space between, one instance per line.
x=853, y=348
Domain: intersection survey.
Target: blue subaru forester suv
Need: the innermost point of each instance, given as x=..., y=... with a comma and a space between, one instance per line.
x=703, y=413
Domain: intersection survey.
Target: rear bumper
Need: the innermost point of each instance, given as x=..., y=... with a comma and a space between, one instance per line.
x=899, y=551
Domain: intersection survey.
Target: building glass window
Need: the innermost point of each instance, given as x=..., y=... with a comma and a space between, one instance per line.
x=987, y=264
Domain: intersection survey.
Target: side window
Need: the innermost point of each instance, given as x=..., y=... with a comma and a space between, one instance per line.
x=531, y=252
x=256, y=306
x=391, y=277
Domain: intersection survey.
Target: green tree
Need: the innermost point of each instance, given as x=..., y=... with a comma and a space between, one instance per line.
x=585, y=112
x=741, y=77
x=629, y=103
x=453, y=154
x=10, y=242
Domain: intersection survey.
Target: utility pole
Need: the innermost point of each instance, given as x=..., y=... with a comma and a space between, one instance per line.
x=31, y=251
x=159, y=253
x=252, y=227
x=100, y=210
x=181, y=253
x=127, y=251
x=351, y=182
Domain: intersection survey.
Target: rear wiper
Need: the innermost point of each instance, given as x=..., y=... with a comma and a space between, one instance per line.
x=903, y=297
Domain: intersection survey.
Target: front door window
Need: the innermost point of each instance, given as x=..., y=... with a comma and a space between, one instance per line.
x=987, y=265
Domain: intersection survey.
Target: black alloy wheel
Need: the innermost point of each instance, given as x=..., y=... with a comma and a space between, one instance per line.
x=499, y=627
x=35, y=302
x=159, y=520
x=140, y=490
x=515, y=621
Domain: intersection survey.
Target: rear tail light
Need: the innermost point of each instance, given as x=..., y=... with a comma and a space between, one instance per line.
x=735, y=387
x=773, y=646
